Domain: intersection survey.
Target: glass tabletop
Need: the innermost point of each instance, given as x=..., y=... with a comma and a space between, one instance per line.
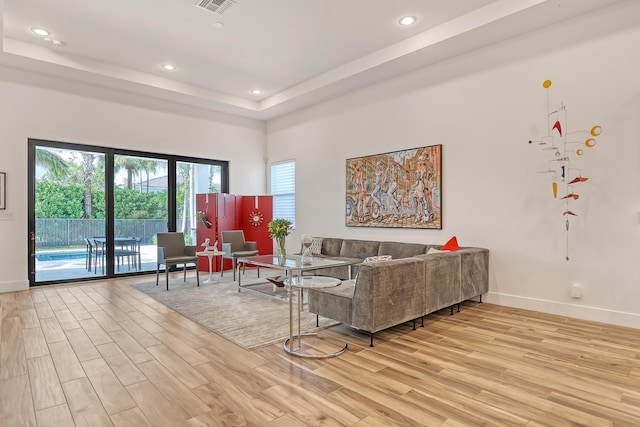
x=292, y=262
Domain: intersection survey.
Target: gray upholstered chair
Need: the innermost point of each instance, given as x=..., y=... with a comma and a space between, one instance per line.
x=173, y=251
x=234, y=247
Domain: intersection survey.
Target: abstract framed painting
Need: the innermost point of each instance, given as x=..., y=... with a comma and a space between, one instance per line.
x=398, y=189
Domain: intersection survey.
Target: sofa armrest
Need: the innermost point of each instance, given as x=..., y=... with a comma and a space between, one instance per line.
x=442, y=280
x=474, y=272
x=388, y=293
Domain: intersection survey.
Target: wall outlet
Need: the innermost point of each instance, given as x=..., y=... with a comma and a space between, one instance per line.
x=576, y=291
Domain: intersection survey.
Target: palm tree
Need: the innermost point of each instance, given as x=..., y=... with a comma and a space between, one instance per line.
x=87, y=180
x=131, y=164
x=150, y=166
x=185, y=172
x=56, y=166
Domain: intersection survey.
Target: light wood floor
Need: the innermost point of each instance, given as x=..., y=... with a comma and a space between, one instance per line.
x=101, y=353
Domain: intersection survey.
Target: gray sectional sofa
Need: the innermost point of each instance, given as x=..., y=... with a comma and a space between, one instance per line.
x=411, y=285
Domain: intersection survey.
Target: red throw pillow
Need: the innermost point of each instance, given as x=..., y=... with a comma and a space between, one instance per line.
x=451, y=245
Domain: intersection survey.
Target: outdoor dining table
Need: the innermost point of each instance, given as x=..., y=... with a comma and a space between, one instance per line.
x=124, y=247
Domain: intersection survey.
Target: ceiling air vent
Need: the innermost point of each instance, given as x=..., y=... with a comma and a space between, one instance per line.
x=216, y=6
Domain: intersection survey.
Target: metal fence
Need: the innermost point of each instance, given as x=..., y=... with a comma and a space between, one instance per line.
x=51, y=233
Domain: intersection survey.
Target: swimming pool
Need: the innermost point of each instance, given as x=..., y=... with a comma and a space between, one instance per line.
x=60, y=255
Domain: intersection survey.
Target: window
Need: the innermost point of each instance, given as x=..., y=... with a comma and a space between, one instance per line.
x=283, y=190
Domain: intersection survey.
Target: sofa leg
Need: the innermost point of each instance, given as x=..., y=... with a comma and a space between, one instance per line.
x=317, y=321
x=458, y=307
x=422, y=322
x=371, y=342
x=451, y=311
x=414, y=324
x=480, y=298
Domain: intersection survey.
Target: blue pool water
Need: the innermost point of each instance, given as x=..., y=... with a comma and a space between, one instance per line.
x=61, y=255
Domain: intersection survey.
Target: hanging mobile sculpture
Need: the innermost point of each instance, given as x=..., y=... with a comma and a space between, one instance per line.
x=564, y=146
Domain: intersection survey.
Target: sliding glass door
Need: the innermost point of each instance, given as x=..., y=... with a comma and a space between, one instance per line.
x=94, y=212
x=140, y=208
x=69, y=213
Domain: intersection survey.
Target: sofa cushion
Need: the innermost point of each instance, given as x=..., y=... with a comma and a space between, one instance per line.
x=331, y=246
x=333, y=303
x=359, y=248
x=316, y=245
x=401, y=250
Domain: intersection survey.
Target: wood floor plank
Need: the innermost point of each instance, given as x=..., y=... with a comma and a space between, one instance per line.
x=138, y=333
x=82, y=345
x=131, y=418
x=78, y=311
x=130, y=347
x=29, y=318
x=177, y=366
x=52, y=330
x=16, y=405
x=35, y=344
x=145, y=322
x=126, y=371
x=229, y=407
x=55, y=301
x=194, y=340
x=13, y=361
x=45, y=385
x=108, y=323
x=96, y=334
x=85, y=405
x=66, y=319
x=66, y=362
x=43, y=310
x=114, y=311
x=191, y=356
x=111, y=392
x=155, y=407
x=55, y=416
x=175, y=391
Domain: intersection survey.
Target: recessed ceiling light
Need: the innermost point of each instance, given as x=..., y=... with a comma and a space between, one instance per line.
x=40, y=31
x=407, y=20
x=256, y=91
x=169, y=67
x=218, y=25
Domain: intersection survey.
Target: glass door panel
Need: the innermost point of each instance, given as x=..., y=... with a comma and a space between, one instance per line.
x=191, y=179
x=69, y=214
x=140, y=194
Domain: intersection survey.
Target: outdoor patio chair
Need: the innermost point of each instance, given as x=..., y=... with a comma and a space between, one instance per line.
x=128, y=248
x=173, y=251
x=234, y=247
x=98, y=254
x=90, y=253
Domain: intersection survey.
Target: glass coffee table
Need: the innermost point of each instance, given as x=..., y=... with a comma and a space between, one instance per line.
x=295, y=282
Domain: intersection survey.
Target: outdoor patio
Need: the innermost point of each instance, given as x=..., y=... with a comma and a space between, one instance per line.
x=72, y=264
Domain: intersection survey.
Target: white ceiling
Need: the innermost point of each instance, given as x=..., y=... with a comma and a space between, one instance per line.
x=297, y=52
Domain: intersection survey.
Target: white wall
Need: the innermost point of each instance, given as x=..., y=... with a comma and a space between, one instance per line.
x=28, y=111
x=484, y=107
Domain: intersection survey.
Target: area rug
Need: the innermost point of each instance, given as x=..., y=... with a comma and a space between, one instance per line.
x=255, y=317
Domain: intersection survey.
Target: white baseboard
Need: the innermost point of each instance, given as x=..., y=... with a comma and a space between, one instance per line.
x=14, y=286
x=595, y=314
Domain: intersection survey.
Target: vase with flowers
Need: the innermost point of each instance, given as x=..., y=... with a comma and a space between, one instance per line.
x=279, y=229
